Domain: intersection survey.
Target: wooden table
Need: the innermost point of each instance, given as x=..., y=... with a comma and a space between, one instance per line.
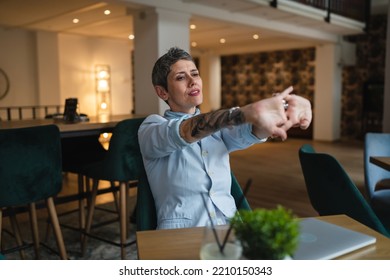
x=94, y=126
x=184, y=244
x=383, y=162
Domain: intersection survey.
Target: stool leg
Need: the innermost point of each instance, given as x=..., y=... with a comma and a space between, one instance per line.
x=56, y=227
x=34, y=228
x=18, y=236
x=91, y=209
x=81, y=207
x=123, y=217
x=114, y=195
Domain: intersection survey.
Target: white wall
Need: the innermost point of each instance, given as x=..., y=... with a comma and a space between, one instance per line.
x=74, y=61
x=17, y=59
x=47, y=68
x=78, y=57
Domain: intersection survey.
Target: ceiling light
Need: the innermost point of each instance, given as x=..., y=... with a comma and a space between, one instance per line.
x=194, y=44
x=107, y=12
x=192, y=26
x=76, y=20
x=222, y=40
x=256, y=36
x=131, y=36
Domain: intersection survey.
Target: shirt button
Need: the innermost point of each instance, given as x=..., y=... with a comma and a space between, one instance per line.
x=205, y=153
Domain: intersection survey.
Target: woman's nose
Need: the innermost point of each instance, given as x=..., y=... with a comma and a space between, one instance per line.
x=191, y=82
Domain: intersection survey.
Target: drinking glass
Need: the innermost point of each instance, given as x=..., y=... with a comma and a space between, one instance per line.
x=210, y=249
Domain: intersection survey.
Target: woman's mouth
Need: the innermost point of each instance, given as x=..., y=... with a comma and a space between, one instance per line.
x=194, y=92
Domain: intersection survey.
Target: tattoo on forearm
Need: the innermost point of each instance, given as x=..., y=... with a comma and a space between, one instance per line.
x=205, y=124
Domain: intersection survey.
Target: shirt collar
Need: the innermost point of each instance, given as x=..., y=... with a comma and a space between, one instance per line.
x=173, y=115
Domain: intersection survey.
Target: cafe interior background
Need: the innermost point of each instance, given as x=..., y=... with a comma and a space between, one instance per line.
x=245, y=49
x=50, y=51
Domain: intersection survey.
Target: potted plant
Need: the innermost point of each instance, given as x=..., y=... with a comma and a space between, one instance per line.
x=267, y=234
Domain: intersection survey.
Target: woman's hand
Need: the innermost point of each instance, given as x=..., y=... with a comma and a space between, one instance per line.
x=270, y=117
x=299, y=111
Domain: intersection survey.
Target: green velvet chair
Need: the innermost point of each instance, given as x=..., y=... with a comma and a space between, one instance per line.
x=30, y=172
x=377, y=179
x=146, y=209
x=122, y=164
x=331, y=190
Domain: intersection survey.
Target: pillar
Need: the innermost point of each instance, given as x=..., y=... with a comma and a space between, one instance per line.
x=156, y=30
x=327, y=99
x=210, y=71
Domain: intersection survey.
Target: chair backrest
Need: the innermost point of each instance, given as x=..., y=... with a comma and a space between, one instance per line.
x=375, y=144
x=331, y=190
x=30, y=164
x=237, y=194
x=146, y=209
x=122, y=162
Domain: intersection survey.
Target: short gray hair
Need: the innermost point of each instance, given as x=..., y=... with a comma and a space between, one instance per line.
x=162, y=67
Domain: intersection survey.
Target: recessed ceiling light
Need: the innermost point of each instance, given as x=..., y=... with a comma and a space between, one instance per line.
x=194, y=44
x=256, y=36
x=76, y=20
x=131, y=36
x=107, y=12
x=192, y=26
x=222, y=40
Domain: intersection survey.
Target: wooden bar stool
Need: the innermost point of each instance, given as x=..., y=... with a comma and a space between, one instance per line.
x=121, y=165
x=31, y=172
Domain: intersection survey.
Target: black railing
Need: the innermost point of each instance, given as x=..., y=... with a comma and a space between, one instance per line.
x=320, y=4
x=29, y=112
x=353, y=9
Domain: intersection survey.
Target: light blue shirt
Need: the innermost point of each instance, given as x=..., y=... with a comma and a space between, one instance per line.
x=179, y=172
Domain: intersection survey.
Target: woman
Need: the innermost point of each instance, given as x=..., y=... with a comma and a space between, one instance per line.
x=186, y=153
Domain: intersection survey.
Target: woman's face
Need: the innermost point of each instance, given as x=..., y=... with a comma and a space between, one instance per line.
x=184, y=87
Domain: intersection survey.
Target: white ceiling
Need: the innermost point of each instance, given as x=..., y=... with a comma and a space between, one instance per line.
x=234, y=20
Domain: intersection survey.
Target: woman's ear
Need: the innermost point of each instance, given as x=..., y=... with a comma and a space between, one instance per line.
x=161, y=92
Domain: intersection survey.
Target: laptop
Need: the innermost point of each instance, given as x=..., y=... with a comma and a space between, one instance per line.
x=321, y=240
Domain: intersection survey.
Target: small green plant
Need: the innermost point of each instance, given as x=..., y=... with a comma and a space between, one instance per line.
x=267, y=234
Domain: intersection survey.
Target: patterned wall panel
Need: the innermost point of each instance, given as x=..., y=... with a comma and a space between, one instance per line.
x=369, y=69
x=250, y=77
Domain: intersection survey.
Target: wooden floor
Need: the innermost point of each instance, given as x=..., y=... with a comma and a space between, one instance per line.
x=276, y=172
